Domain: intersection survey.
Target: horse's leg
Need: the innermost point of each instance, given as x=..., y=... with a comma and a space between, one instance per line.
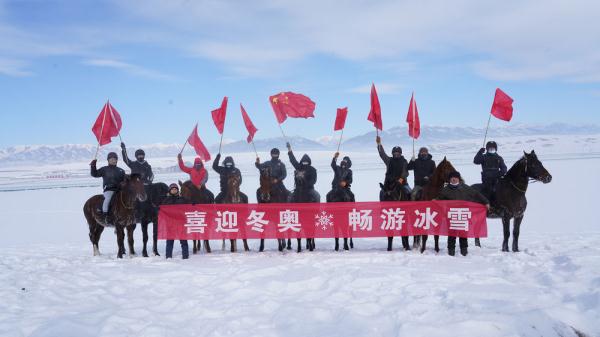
x=246, y=248
x=390, y=241
x=346, y=244
x=194, y=246
x=233, y=244
x=145, y=237
x=337, y=244
x=206, y=246
x=436, y=239
x=351, y=244
x=299, y=245
x=223, y=246
x=477, y=243
x=405, y=243
x=312, y=244
x=120, y=241
x=130, y=239
x=506, y=230
x=516, y=230
x=423, y=243
x=416, y=241
x=262, y=245
x=280, y=244
x=155, y=237
x=289, y=244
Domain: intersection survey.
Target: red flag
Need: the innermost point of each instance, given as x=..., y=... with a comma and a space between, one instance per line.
x=107, y=125
x=197, y=144
x=218, y=115
x=249, y=126
x=289, y=104
x=502, y=107
x=375, y=113
x=340, y=119
x=412, y=118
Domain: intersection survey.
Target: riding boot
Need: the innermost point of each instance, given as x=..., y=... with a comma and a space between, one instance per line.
x=405, y=243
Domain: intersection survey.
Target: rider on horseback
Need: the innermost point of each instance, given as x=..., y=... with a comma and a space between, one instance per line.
x=492, y=168
x=342, y=178
x=198, y=174
x=276, y=168
x=112, y=176
x=396, y=167
x=227, y=170
x=458, y=190
x=139, y=166
x=423, y=168
x=305, y=169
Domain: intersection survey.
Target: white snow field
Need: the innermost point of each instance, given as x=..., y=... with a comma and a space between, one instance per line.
x=51, y=285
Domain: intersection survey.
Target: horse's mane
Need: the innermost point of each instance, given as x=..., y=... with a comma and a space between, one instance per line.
x=513, y=170
x=440, y=174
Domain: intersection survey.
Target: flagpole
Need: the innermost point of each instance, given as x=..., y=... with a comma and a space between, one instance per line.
x=101, y=131
x=486, y=130
x=340, y=141
x=221, y=142
x=180, y=152
x=254, y=146
x=282, y=133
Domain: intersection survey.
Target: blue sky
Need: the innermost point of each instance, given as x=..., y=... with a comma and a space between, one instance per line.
x=166, y=64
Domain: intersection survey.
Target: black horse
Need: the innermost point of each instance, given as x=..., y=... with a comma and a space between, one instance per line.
x=271, y=192
x=147, y=212
x=121, y=213
x=197, y=195
x=341, y=195
x=394, y=191
x=303, y=194
x=509, y=197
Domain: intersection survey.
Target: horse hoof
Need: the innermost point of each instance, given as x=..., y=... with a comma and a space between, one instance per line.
x=156, y=253
x=346, y=248
x=389, y=249
x=144, y=254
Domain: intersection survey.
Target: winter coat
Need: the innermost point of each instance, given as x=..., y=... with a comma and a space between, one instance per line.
x=462, y=192
x=225, y=172
x=112, y=176
x=395, y=167
x=423, y=169
x=198, y=177
x=492, y=166
x=173, y=200
x=139, y=167
x=341, y=174
x=277, y=168
x=310, y=173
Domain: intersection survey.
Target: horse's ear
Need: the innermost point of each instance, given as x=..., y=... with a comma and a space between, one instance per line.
x=445, y=159
x=532, y=152
x=180, y=183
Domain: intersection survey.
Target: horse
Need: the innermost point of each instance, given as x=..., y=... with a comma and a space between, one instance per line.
x=394, y=191
x=121, y=213
x=432, y=189
x=341, y=195
x=234, y=196
x=147, y=212
x=197, y=195
x=268, y=192
x=509, y=200
x=303, y=194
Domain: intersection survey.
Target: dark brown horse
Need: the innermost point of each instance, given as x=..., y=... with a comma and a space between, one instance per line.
x=197, y=195
x=509, y=200
x=341, y=195
x=270, y=192
x=121, y=213
x=394, y=191
x=432, y=190
x=147, y=212
x=302, y=194
x=235, y=196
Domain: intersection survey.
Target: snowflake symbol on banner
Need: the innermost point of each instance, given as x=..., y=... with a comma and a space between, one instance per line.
x=324, y=220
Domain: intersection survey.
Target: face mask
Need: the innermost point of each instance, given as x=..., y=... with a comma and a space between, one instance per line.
x=423, y=155
x=112, y=162
x=343, y=164
x=228, y=165
x=305, y=163
x=492, y=151
x=140, y=158
x=198, y=167
x=274, y=157
x=454, y=184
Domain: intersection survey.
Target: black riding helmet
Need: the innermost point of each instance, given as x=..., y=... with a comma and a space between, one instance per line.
x=139, y=152
x=228, y=162
x=491, y=144
x=112, y=155
x=397, y=149
x=347, y=162
x=274, y=151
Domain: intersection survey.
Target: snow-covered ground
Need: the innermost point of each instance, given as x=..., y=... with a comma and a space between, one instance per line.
x=51, y=285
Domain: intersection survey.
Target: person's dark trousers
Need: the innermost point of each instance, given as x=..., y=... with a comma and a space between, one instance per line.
x=463, y=242
x=185, y=252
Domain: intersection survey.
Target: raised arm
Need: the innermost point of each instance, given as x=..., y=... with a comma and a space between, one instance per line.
x=215, y=164
x=124, y=153
x=293, y=160
x=182, y=165
x=382, y=154
x=93, y=171
x=478, y=160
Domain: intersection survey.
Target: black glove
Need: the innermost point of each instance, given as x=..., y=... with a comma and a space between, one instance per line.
x=93, y=163
x=123, y=146
x=482, y=150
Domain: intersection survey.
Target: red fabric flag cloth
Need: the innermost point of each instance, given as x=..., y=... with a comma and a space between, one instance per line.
x=412, y=118
x=375, y=113
x=249, y=126
x=289, y=104
x=107, y=125
x=218, y=115
x=502, y=107
x=340, y=119
x=197, y=144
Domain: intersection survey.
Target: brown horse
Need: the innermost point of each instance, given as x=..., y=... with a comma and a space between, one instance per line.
x=235, y=196
x=121, y=213
x=394, y=191
x=509, y=200
x=432, y=190
x=197, y=195
x=269, y=192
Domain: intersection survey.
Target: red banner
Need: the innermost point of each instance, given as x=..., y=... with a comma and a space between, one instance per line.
x=321, y=220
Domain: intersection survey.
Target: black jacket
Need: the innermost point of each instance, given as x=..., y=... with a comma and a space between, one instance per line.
x=310, y=173
x=224, y=172
x=492, y=166
x=173, y=200
x=341, y=174
x=277, y=168
x=462, y=192
x=142, y=168
x=112, y=176
x=395, y=167
x=423, y=169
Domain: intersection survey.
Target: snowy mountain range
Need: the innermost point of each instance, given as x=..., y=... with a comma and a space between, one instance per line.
x=430, y=135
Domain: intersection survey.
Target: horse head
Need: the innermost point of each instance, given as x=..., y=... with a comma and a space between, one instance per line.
x=299, y=179
x=133, y=185
x=392, y=191
x=534, y=168
x=265, y=184
x=233, y=183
